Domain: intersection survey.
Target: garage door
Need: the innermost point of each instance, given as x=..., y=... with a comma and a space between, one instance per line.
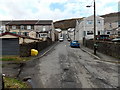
x=10, y=46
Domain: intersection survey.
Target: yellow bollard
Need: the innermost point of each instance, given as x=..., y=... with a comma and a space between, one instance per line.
x=34, y=52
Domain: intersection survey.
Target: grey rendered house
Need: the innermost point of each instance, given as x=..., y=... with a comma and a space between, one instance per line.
x=26, y=27
x=85, y=28
x=112, y=23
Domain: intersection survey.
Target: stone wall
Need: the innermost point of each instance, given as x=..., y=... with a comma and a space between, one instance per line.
x=25, y=49
x=108, y=48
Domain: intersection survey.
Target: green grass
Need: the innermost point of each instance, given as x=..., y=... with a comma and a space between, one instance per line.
x=14, y=58
x=14, y=83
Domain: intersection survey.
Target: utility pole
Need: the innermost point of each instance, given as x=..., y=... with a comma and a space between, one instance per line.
x=95, y=46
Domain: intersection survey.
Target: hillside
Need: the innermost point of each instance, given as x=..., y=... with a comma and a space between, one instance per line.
x=65, y=24
x=71, y=23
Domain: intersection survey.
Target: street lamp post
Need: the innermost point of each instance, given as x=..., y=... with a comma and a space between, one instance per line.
x=95, y=46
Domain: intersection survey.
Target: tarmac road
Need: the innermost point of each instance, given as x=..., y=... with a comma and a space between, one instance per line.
x=66, y=67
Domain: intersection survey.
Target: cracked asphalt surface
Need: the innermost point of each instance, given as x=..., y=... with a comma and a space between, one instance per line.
x=66, y=67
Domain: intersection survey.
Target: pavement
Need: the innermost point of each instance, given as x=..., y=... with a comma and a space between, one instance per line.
x=100, y=56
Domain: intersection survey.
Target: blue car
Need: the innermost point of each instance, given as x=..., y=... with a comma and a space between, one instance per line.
x=74, y=43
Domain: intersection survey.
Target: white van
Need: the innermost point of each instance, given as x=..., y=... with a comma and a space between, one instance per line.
x=60, y=39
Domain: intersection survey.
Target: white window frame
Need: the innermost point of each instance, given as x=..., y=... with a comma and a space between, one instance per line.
x=29, y=27
x=25, y=33
x=90, y=33
x=22, y=27
x=89, y=21
x=2, y=27
x=44, y=28
x=13, y=27
x=43, y=35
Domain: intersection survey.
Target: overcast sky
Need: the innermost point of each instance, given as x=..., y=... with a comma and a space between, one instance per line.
x=53, y=9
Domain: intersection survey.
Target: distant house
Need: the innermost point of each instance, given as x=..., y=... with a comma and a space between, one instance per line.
x=24, y=27
x=85, y=27
x=71, y=33
x=112, y=23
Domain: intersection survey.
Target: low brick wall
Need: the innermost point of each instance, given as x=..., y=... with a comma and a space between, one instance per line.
x=25, y=48
x=108, y=48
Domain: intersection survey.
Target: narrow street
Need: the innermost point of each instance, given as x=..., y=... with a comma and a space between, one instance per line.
x=66, y=67
x=60, y=44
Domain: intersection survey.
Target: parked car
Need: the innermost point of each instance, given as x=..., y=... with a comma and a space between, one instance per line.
x=103, y=37
x=117, y=39
x=61, y=39
x=74, y=43
x=69, y=39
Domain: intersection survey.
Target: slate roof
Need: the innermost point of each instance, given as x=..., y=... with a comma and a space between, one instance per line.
x=111, y=17
x=4, y=22
x=27, y=22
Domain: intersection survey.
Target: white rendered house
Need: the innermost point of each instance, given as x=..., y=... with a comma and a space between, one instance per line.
x=85, y=27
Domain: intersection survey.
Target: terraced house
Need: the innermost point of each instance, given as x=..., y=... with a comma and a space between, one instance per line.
x=108, y=24
x=32, y=28
x=112, y=24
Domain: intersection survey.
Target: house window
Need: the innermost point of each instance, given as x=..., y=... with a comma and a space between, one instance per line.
x=44, y=29
x=22, y=27
x=89, y=21
x=25, y=33
x=98, y=21
x=14, y=27
x=19, y=33
x=118, y=23
x=98, y=32
x=39, y=36
x=119, y=32
x=89, y=32
x=108, y=32
x=2, y=27
x=84, y=33
x=28, y=27
x=43, y=35
x=110, y=25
